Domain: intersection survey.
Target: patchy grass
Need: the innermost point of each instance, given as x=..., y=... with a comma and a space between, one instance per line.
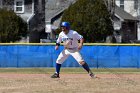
x=68, y=70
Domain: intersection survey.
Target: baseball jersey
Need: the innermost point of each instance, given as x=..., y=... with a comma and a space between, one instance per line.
x=71, y=38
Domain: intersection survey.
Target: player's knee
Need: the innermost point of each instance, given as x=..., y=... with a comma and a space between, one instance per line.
x=59, y=62
x=82, y=62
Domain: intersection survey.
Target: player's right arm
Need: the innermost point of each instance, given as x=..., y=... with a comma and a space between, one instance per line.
x=58, y=42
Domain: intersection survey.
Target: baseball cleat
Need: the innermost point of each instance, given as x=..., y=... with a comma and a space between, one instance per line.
x=92, y=75
x=55, y=75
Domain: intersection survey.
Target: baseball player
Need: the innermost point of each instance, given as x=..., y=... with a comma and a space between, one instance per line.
x=70, y=39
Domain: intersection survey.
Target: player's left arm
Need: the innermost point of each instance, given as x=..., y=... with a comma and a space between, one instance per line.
x=80, y=38
x=81, y=43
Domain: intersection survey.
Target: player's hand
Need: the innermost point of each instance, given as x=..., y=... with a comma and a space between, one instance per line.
x=80, y=46
x=56, y=47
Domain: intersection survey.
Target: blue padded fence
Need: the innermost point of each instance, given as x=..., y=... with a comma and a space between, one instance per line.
x=97, y=56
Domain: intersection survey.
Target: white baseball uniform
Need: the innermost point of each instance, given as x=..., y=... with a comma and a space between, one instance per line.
x=70, y=41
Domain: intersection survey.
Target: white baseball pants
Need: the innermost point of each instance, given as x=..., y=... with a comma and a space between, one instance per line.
x=66, y=52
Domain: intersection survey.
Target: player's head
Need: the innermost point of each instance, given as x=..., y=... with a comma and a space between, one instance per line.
x=66, y=25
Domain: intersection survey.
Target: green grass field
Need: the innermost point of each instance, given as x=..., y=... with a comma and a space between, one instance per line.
x=69, y=70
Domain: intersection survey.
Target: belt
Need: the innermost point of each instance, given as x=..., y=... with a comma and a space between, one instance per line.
x=71, y=48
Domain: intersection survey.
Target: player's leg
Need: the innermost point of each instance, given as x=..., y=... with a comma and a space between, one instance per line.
x=81, y=61
x=86, y=67
x=61, y=58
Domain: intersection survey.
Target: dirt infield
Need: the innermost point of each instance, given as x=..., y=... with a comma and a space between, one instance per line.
x=69, y=83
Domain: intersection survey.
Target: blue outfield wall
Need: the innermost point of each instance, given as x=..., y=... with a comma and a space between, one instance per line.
x=97, y=56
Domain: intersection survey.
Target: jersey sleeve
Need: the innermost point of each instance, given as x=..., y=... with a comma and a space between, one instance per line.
x=78, y=36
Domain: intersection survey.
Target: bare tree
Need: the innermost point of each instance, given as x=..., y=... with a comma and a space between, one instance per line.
x=111, y=6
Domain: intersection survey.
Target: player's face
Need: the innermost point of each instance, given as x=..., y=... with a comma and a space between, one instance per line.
x=64, y=29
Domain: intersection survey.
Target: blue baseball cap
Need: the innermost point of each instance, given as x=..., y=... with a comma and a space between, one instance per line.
x=65, y=24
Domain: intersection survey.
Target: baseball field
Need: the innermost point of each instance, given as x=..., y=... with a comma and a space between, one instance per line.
x=73, y=80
